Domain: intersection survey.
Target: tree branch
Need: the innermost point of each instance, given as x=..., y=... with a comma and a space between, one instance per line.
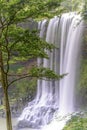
x=27, y=76
x=30, y=76
x=8, y=54
x=18, y=74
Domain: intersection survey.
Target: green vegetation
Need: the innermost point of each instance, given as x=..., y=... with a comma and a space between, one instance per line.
x=78, y=122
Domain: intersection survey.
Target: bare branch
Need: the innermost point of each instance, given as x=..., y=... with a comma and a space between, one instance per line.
x=30, y=76
x=15, y=75
x=19, y=79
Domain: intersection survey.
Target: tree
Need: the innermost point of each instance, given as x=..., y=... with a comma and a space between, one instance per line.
x=16, y=41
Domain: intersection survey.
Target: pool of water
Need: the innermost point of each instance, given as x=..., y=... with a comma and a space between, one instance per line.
x=14, y=122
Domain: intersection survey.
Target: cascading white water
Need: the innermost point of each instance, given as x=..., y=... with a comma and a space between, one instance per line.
x=66, y=34
x=69, y=63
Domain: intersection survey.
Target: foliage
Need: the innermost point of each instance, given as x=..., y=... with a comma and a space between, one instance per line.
x=16, y=41
x=84, y=11
x=44, y=72
x=77, y=122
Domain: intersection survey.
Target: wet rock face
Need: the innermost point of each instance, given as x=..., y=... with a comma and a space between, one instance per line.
x=29, y=24
x=84, y=50
x=84, y=44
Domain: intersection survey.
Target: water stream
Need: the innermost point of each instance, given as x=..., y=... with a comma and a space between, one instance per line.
x=66, y=34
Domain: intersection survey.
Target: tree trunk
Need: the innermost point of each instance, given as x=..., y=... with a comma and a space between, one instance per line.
x=8, y=113
x=4, y=83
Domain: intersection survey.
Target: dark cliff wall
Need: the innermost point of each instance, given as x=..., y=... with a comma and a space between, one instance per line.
x=29, y=24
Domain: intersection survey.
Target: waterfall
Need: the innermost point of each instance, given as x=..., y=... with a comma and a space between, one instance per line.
x=69, y=63
x=66, y=34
